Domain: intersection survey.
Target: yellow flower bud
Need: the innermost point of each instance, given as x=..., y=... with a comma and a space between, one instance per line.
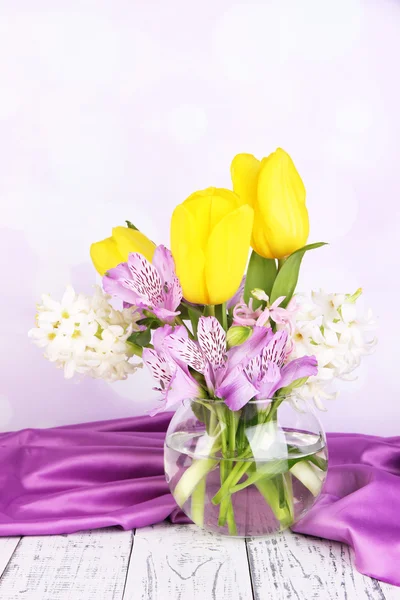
x=210, y=240
x=114, y=250
x=277, y=194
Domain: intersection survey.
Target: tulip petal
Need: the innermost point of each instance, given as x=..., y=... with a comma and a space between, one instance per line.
x=208, y=207
x=132, y=240
x=188, y=255
x=281, y=219
x=227, y=253
x=245, y=169
x=105, y=255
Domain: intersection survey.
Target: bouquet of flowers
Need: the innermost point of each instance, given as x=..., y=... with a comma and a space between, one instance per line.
x=227, y=336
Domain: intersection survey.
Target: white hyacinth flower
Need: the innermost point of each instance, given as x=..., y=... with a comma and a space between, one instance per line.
x=85, y=334
x=329, y=327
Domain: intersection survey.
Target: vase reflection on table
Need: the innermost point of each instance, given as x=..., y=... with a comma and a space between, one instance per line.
x=251, y=472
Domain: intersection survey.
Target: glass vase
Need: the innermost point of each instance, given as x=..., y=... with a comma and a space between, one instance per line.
x=250, y=472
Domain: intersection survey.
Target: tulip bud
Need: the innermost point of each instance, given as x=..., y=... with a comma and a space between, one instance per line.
x=114, y=250
x=276, y=192
x=210, y=240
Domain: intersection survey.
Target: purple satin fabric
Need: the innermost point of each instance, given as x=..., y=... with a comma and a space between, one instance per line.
x=110, y=473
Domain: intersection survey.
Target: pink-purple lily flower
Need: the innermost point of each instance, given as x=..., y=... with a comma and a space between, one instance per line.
x=152, y=286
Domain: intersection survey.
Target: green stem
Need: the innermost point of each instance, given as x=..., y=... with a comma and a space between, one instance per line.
x=225, y=512
x=232, y=424
x=198, y=502
x=234, y=476
x=281, y=262
x=210, y=310
x=272, y=490
x=305, y=473
x=265, y=472
x=230, y=517
x=191, y=477
x=178, y=321
x=213, y=424
x=224, y=316
x=243, y=465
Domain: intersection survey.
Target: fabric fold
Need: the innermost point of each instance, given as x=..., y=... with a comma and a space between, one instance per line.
x=111, y=473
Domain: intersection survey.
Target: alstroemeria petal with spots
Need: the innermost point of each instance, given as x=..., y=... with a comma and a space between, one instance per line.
x=187, y=351
x=165, y=265
x=275, y=350
x=160, y=367
x=145, y=280
x=212, y=340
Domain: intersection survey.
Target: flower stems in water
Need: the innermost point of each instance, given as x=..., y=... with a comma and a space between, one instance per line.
x=240, y=450
x=198, y=502
x=191, y=478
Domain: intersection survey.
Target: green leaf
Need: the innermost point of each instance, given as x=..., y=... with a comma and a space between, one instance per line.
x=135, y=349
x=194, y=316
x=150, y=322
x=286, y=391
x=261, y=274
x=286, y=280
x=140, y=338
x=131, y=225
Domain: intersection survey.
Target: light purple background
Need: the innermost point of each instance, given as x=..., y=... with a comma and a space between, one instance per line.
x=119, y=110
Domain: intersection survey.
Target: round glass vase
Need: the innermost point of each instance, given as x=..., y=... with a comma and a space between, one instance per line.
x=251, y=472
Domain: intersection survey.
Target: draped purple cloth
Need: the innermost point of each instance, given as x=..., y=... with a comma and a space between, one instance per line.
x=109, y=473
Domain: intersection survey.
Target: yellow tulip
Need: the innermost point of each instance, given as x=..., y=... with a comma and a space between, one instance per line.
x=277, y=194
x=114, y=250
x=210, y=241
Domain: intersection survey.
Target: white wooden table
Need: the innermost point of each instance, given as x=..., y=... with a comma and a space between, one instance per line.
x=180, y=562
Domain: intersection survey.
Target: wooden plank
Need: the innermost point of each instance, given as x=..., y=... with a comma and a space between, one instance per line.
x=7, y=548
x=391, y=592
x=90, y=565
x=185, y=562
x=298, y=567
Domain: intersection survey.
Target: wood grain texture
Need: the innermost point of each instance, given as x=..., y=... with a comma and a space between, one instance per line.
x=391, y=592
x=291, y=566
x=183, y=562
x=7, y=549
x=83, y=566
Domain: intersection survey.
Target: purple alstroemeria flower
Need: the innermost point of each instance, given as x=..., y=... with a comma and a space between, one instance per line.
x=154, y=287
x=238, y=296
x=223, y=370
x=267, y=372
x=174, y=380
